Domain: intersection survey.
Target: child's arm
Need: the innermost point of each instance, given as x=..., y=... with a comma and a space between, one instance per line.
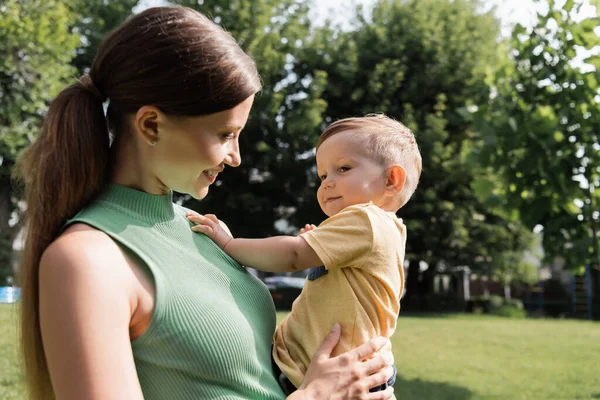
x=274, y=254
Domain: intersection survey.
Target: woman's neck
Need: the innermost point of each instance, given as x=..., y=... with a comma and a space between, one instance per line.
x=132, y=168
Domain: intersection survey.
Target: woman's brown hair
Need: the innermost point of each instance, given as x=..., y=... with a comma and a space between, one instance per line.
x=171, y=57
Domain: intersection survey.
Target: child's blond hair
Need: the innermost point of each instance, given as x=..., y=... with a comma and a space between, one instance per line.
x=388, y=142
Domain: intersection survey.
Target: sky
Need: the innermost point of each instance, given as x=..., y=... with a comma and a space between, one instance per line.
x=510, y=12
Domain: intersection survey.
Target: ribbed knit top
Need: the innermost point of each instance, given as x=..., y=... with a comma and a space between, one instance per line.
x=213, y=322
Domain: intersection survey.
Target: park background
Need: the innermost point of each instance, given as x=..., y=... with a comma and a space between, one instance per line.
x=503, y=98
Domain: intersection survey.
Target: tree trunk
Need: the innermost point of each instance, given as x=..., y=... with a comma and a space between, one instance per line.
x=507, y=294
x=7, y=233
x=426, y=287
x=412, y=285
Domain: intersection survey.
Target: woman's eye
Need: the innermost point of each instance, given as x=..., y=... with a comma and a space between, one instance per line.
x=227, y=136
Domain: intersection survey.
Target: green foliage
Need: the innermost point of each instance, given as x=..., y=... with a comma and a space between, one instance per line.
x=540, y=133
x=36, y=47
x=515, y=303
x=96, y=19
x=509, y=311
x=511, y=308
x=495, y=301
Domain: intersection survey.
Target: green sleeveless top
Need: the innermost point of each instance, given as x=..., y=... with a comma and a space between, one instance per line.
x=213, y=322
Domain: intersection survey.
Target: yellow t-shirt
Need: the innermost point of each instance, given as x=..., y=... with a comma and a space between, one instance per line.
x=359, y=286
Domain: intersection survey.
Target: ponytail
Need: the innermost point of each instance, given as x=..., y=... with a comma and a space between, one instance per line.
x=62, y=170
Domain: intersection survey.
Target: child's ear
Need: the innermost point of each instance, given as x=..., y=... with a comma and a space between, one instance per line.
x=395, y=179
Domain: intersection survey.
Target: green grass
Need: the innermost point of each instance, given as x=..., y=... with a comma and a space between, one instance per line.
x=465, y=357
x=448, y=357
x=11, y=378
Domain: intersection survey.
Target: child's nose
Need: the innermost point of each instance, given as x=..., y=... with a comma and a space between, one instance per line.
x=328, y=183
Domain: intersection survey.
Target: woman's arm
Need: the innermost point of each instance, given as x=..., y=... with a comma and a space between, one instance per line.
x=349, y=375
x=86, y=305
x=274, y=254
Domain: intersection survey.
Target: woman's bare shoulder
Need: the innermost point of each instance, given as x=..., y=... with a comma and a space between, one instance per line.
x=81, y=249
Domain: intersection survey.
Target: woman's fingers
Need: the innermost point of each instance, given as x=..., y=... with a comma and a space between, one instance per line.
x=331, y=340
x=378, y=362
x=388, y=393
x=367, y=350
x=382, y=376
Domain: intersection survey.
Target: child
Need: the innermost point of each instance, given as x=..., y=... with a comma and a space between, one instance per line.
x=369, y=167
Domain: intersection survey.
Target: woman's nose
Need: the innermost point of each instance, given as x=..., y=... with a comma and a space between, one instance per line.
x=234, y=159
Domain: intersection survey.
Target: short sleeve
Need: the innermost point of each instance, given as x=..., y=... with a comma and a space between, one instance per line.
x=344, y=240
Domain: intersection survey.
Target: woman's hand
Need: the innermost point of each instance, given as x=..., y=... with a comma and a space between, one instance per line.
x=349, y=375
x=211, y=227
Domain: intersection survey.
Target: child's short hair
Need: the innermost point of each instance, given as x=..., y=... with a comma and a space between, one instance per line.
x=388, y=142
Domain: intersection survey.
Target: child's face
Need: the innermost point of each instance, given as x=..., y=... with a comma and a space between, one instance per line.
x=348, y=176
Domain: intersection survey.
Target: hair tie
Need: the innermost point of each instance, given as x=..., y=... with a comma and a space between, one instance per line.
x=86, y=83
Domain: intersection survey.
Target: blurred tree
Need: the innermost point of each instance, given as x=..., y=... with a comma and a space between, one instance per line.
x=421, y=62
x=540, y=132
x=36, y=47
x=96, y=19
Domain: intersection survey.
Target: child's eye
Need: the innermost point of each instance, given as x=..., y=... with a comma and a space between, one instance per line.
x=322, y=177
x=343, y=169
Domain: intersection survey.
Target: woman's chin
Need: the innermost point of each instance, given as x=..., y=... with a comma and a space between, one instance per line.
x=199, y=193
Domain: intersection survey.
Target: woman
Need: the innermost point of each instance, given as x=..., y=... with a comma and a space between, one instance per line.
x=121, y=300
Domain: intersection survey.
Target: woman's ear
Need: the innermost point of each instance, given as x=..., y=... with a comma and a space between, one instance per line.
x=395, y=180
x=146, y=124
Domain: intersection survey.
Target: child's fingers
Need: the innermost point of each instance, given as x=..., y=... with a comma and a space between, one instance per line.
x=207, y=219
x=212, y=217
x=196, y=218
x=207, y=230
x=307, y=227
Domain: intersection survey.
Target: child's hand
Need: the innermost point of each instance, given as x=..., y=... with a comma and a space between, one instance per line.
x=307, y=227
x=211, y=227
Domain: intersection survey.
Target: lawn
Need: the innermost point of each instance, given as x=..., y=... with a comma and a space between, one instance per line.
x=11, y=379
x=449, y=357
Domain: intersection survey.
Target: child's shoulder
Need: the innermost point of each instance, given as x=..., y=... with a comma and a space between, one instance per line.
x=374, y=211
x=369, y=213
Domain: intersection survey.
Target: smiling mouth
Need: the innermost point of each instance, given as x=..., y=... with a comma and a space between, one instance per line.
x=211, y=175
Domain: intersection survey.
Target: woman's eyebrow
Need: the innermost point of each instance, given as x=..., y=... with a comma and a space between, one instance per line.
x=231, y=127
